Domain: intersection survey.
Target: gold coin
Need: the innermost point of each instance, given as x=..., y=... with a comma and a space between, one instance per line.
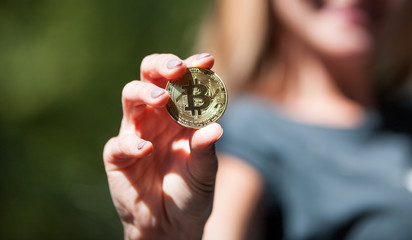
x=197, y=99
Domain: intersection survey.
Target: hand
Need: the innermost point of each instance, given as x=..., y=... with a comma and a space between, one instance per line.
x=161, y=175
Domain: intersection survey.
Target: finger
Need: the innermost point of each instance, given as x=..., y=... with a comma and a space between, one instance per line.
x=203, y=161
x=158, y=68
x=120, y=152
x=202, y=60
x=136, y=95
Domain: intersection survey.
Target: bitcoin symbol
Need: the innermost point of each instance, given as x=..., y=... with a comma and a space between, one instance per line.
x=201, y=91
x=197, y=99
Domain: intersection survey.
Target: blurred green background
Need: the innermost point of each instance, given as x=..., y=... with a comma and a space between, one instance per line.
x=63, y=64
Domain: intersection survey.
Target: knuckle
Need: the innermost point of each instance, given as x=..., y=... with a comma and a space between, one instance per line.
x=109, y=150
x=148, y=59
x=124, y=144
x=191, y=58
x=128, y=89
x=167, y=56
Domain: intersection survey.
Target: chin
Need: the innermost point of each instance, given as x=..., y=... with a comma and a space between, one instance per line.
x=348, y=52
x=345, y=46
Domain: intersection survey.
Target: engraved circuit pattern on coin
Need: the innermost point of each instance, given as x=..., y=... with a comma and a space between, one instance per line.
x=197, y=99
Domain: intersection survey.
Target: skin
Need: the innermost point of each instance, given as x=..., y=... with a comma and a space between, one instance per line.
x=161, y=175
x=327, y=47
x=164, y=188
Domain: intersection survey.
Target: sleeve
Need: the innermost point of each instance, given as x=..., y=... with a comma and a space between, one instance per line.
x=239, y=137
x=248, y=135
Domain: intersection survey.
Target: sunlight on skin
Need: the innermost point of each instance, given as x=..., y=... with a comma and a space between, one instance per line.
x=174, y=185
x=147, y=218
x=181, y=144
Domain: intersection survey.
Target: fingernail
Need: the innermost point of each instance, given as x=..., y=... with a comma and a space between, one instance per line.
x=174, y=63
x=157, y=92
x=141, y=145
x=203, y=55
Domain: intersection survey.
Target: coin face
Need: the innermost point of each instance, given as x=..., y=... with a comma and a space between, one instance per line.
x=197, y=99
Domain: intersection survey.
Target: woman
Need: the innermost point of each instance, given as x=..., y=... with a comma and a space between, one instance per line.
x=314, y=147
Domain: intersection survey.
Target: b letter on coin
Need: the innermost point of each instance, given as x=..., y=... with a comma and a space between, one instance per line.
x=197, y=99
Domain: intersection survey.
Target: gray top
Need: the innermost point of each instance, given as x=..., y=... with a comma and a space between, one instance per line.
x=325, y=183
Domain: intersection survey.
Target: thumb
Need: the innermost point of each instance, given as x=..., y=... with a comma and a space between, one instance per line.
x=203, y=161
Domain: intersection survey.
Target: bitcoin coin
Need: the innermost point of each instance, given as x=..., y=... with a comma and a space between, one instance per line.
x=197, y=99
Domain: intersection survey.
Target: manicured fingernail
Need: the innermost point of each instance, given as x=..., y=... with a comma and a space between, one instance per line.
x=174, y=63
x=157, y=92
x=203, y=55
x=141, y=145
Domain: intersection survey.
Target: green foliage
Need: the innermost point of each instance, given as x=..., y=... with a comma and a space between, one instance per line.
x=63, y=65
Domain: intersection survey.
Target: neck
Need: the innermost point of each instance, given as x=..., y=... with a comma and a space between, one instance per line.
x=320, y=90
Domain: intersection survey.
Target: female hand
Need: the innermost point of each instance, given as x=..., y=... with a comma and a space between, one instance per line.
x=161, y=175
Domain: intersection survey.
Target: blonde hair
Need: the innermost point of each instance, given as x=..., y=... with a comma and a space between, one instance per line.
x=242, y=34
x=236, y=33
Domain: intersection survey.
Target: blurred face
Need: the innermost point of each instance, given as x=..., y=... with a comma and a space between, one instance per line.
x=336, y=28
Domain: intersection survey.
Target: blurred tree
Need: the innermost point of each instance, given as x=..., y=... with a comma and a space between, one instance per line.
x=62, y=67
